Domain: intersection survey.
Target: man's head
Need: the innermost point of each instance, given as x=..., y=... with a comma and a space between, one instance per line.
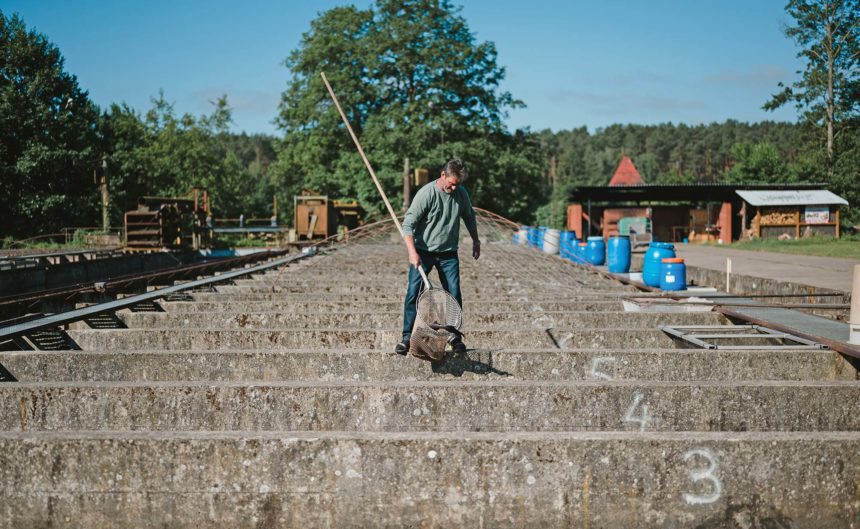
x=453, y=174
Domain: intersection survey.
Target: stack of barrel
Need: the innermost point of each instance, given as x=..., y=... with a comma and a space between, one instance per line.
x=661, y=268
x=594, y=251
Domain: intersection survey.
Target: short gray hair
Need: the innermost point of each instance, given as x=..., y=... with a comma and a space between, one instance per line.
x=456, y=167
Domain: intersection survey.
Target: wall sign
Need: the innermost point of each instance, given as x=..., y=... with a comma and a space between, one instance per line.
x=817, y=215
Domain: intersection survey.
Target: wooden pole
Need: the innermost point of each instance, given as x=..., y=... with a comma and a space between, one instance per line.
x=797, y=224
x=837, y=222
x=407, y=187
x=103, y=185
x=370, y=169
x=854, y=315
x=728, y=275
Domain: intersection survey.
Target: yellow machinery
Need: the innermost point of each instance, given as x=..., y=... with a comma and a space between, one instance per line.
x=317, y=217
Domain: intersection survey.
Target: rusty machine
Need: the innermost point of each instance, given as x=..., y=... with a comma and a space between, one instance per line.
x=317, y=217
x=169, y=222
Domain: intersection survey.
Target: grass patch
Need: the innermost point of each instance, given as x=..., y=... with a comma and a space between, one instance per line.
x=846, y=246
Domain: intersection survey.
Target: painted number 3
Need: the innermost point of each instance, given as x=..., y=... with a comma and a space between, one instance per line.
x=704, y=474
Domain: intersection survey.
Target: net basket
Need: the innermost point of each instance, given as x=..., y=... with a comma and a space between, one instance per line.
x=436, y=308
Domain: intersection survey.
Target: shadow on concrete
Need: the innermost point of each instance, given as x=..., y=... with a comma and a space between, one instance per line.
x=479, y=362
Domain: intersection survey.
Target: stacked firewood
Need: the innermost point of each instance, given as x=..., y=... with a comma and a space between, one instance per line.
x=778, y=216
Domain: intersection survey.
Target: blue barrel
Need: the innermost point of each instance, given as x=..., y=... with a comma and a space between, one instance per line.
x=595, y=251
x=541, y=233
x=618, y=254
x=532, y=236
x=580, y=252
x=657, y=251
x=673, y=274
x=566, y=237
x=564, y=247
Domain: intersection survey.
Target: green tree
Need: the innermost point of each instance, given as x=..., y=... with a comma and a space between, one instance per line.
x=161, y=153
x=828, y=92
x=48, y=137
x=759, y=162
x=415, y=84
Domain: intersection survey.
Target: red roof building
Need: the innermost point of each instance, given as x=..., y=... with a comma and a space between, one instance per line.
x=626, y=174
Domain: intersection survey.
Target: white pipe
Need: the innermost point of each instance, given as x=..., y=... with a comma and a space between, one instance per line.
x=854, y=317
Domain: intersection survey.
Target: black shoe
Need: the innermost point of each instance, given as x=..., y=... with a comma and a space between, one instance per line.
x=402, y=348
x=458, y=346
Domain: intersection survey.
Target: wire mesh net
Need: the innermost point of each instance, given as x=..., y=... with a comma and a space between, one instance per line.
x=438, y=316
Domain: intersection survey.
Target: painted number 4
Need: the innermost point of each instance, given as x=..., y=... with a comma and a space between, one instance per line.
x=707, y=474
x=643, y=418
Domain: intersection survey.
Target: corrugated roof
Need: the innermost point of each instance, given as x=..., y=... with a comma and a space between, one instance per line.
x=793, y=197
x=626, y=174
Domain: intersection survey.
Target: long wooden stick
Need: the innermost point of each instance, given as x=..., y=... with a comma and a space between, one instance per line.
x=370, y=169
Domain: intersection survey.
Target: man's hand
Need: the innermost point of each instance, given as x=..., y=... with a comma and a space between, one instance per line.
x=414, y=259
x=476, y=249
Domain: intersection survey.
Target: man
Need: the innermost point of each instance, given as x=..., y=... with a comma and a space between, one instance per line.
x=431, y=230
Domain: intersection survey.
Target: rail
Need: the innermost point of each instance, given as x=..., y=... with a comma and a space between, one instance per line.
x=126, y=281
x=22, y=329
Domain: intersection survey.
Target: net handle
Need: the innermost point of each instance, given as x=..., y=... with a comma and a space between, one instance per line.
x=371, y=171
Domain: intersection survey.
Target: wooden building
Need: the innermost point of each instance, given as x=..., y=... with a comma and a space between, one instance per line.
x=790, y=213
x=703, y=212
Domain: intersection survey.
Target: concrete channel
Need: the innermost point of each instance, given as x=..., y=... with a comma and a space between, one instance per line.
x=277, y=401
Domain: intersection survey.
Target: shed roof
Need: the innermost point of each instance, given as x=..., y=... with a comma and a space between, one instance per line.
x=626, y=174
x=675, y=192
x=792, y=197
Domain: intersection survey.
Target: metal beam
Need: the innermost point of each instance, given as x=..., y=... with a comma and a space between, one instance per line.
x=836, y=345
x=72, y=316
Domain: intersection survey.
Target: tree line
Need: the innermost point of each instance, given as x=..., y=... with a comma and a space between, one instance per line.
x=416, y=85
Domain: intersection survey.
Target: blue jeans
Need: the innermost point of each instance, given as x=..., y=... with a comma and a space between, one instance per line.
x=447, y=265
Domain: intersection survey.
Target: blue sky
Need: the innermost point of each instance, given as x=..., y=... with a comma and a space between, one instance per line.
x=574, y=63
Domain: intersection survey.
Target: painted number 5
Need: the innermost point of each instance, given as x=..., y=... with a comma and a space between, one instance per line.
x=704, y=474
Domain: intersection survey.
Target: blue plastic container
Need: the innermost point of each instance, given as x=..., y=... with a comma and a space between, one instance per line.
x=595, y=251
x=580, y=252
x=618, y=254
x=657, y=251
x=564, y=247
x=673, y=274
x=566, y=251
x=541, y=233
x=532, y=236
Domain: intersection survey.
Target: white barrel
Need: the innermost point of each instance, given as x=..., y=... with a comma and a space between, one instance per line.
x=523, y=236
x=551, y=238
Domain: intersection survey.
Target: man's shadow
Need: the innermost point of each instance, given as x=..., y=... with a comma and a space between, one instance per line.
x=479, y=362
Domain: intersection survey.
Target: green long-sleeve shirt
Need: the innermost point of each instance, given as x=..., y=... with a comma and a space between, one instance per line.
x=433, y=219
